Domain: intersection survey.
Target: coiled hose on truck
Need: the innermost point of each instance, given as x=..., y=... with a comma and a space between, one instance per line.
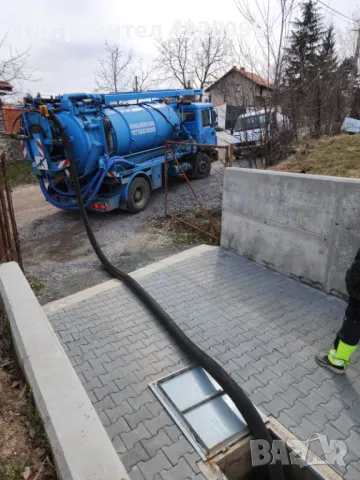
x=252, y=417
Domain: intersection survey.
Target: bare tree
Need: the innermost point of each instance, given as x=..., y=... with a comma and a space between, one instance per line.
x=13, y=64
x=192, y=58
x=113, y=74
x=262, y=52
x=143, y=76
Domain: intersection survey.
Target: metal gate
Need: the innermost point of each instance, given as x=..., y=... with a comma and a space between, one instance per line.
x=9, y=237
x=197, y=205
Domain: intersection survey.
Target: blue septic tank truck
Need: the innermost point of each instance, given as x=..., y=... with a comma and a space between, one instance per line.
x=118, y=141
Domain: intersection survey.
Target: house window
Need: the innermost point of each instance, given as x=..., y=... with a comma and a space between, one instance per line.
x=200, y=407
x=238, y=87
x=206, y=118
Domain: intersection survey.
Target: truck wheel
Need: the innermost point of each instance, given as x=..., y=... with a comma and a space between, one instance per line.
x=138, y=195
x=201, y=166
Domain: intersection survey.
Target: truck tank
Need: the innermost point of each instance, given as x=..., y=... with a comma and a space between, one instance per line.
x=96, y=129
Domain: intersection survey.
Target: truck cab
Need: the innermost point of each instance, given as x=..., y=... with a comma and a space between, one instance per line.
x=199, y=120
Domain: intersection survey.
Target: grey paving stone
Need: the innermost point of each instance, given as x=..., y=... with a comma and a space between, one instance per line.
x=327, y=390
x=155, y=465
x=298, y=411
x=135, y=474
x=126, y=393
x=181, y=471
x=267, y=376
x=178, y=449
x=193, y=459
x=133, y=419
x=134, y=456
x=118, y=411
x=155, y=407
x=353, y=441
x=276, y=406
x=158, y=422
x=352, y=473
x=117, y=428
x=312, y=400
x=173, y=431
x=119, y=444
x=291, y=394
x=285, y=380
x=304, y=430
x=304, y=385
x=246, y=372
x=101, y=392
x=155, y=443
x=131, y=437
x=104, y=404
x=258, y=398
x=287, y=421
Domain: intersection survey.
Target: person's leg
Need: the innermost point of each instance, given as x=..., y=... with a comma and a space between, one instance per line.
x=350, y=330
x=346, y=340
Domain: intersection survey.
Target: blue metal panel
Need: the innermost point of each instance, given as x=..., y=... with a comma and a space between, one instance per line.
x=156, y=176
x=150, y=94
x=351, y=125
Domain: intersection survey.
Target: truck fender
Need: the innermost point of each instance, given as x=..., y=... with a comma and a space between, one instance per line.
x=136, y=174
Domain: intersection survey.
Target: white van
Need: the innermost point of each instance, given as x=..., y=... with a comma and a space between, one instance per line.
x=253, y=130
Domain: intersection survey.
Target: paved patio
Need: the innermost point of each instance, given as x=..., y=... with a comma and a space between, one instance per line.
x=262, y=327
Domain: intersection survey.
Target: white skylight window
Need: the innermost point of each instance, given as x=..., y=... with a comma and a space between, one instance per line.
x=199, y=406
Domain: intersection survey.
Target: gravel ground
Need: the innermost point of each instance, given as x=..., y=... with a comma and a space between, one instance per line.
x=57, y=252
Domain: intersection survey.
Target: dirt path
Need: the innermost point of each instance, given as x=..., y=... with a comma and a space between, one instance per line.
x=56, y=250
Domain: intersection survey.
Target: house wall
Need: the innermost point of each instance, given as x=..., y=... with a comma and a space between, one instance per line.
x=306, y=226
x=249, y=95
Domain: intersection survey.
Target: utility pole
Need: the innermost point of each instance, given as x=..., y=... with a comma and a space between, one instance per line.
x=136, y=86
x=354, y=74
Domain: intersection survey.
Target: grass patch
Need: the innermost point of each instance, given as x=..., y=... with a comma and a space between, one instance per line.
x=337, y=156
x=36, y=284
x=20, y=173
x=24, y=449
x=181, y=234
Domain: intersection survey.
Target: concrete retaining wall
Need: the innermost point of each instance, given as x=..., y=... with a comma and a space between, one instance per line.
x=81, y=447
x=306, y=226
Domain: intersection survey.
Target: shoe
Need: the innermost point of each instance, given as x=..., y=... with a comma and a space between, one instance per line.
x=324, y=361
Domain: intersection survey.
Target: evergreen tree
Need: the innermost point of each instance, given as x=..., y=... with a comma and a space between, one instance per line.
x=328, y=57
x=301, y=58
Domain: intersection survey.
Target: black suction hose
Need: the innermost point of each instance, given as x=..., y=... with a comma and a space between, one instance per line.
x=237, y=395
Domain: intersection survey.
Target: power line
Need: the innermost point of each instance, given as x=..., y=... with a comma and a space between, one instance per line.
x=336, y=11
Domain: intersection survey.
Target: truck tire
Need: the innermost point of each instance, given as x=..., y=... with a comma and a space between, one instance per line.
x=138, y=195
x=201, y=166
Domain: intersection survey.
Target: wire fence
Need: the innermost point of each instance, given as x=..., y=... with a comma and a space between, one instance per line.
x=9, y=237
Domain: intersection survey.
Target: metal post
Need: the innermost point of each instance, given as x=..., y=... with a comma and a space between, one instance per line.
x=11, y=211
x=166, y=178
x=5, y=226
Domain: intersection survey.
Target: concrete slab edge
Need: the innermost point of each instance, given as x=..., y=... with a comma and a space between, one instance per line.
x=53, y=307
x=79, y=442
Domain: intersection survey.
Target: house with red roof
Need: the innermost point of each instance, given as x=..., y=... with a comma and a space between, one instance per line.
x=241, y=88
x=237, y=92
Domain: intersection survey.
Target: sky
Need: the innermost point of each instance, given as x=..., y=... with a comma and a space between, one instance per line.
x=67, y=37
